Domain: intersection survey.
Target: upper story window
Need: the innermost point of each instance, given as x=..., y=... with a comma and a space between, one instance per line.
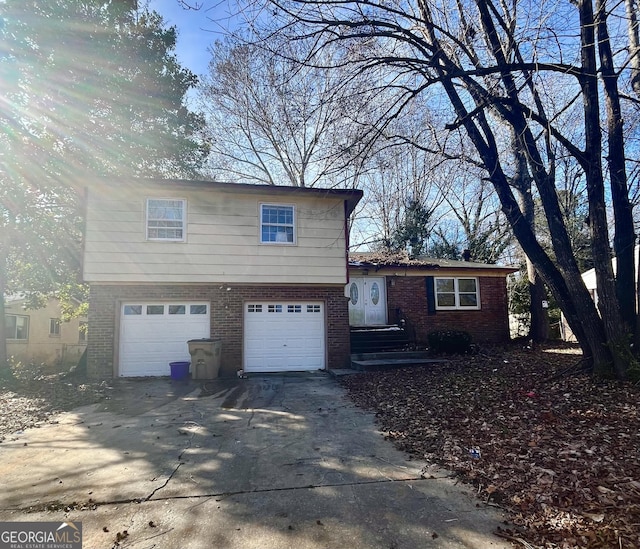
x=54, y=327
x=277, y=224
x=17, y=327
x=166, y=219
x=457, y=293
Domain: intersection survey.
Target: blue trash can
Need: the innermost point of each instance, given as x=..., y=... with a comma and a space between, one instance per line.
x=179, y=370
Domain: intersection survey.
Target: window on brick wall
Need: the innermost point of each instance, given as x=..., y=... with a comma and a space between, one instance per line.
x=457, y=293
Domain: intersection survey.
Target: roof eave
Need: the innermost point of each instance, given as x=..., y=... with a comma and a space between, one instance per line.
x=350, y=196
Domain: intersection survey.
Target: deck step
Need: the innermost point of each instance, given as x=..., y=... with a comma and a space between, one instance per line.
x=378, y=338
x=339, y=372
x=390, y=360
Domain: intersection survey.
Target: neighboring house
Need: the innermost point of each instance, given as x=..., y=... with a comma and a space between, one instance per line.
x=262, y=268
x=38, y=336
x=589, y=279
x=426, y=294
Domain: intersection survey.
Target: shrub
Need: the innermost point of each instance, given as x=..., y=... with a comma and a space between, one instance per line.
x=26, y=371
x=449, y=341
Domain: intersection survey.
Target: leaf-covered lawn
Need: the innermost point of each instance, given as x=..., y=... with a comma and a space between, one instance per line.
x=560, y=453
x=26, y=403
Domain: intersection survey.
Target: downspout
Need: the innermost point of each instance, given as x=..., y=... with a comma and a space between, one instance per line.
x=346, y=239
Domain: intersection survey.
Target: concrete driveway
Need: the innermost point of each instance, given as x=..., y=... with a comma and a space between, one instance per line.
x=269, y=462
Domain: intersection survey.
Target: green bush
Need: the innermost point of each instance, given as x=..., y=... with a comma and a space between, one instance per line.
x=449, y=341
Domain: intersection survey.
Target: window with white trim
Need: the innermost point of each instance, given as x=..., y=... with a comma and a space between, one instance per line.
x=277, y=224
x=457, y=293
x=166, y=219
x=17, y=327
x=54, y=327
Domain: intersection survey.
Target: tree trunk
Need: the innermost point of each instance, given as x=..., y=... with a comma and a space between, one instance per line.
x=569, y=291
x=539, y=328
x=631, y=7
x=562, y=276
x=563, y=280
x=624, y=238
x=4, y=359
x=617, y=336
x=539, y=325
x=637, y=333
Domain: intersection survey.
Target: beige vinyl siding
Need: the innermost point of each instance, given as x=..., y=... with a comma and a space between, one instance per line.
x=222, y=239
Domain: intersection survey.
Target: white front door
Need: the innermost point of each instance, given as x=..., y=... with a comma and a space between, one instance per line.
x=153, y=334
x=367, y=301
x=281, y=336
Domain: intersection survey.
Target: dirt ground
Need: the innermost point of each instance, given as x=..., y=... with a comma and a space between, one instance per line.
x=33, y=399
x=558, y=450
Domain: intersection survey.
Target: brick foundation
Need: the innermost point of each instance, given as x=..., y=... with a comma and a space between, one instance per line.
x=226, y=318
x=407, y=299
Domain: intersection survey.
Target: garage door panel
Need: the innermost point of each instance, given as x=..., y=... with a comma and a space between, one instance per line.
x=281, y=336
x=149, y=342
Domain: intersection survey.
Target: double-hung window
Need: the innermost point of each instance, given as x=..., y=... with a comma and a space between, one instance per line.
x=54, y=327
x=277, y=224
x=457, y=293
x=17, y=327
x=166, y=219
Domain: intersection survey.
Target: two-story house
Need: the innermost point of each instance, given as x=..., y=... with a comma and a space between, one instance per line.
x=262, y=268
x=40, y=336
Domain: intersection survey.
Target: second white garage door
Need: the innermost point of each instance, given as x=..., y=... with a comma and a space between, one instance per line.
x=284, y=336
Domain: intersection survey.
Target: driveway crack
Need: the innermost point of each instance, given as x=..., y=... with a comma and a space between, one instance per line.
x=92, y=505
x=175, y=469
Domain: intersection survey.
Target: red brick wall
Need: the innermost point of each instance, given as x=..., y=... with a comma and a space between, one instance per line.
x=407, y=298
x=226, y=318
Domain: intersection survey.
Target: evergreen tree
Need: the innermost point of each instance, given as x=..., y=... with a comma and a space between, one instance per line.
x=412, y=234
x=86, y=88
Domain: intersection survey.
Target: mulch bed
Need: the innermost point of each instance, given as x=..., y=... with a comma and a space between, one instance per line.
x=560, y=453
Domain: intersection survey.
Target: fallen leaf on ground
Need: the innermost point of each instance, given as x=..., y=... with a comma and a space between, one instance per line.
x=560, y=450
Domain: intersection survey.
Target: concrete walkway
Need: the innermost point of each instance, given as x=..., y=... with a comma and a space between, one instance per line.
x=268, y=462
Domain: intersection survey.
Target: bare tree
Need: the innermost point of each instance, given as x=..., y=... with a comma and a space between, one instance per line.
x=484, y=57
x=473, y=205
x=275, y=120
x=398, y=175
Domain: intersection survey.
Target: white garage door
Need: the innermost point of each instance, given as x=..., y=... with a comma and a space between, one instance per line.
x=284, y=336
x=154, y=334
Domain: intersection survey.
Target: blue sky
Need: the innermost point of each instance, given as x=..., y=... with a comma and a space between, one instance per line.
x=197, y=29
